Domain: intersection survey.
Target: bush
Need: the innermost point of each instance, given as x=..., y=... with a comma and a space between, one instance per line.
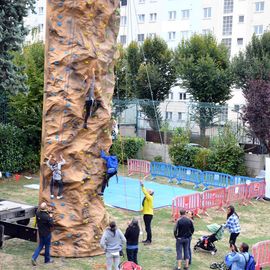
x=158, y=159
x=226, y=155
x=126, y=148
x=201, y=160
x=12, y=145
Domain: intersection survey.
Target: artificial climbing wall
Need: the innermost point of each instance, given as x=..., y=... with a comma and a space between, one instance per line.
x=81, y=35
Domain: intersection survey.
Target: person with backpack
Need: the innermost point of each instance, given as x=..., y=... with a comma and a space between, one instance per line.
x=148, y=212
x=132, y=235
x=183, y=230
x=112, y=168
x=240, y=260
x=112, y=241
x=56, y=176
x=232, y=224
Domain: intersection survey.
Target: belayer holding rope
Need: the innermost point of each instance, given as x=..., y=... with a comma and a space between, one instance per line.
x=56, y=175
x=91, y=104
x=112, y=168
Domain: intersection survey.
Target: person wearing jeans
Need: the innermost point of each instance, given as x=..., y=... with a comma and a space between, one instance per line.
x=45, y=224
x=148, y=212
x=232, y=224
x=112, y=242
x=132, y=235
x=182, y=232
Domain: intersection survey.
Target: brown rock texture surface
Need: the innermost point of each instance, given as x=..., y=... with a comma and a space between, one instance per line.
x=81, y=35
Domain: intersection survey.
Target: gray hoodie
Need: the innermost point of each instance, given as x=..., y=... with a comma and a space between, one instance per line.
x=112, y=242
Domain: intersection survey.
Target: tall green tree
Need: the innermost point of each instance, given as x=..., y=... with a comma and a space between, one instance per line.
x=203, y=66
x=150, y=74
x=253, y=63
x=12, y=33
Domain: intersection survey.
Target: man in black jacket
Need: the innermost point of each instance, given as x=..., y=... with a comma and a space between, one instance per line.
x=45, y=224
x=182, y=232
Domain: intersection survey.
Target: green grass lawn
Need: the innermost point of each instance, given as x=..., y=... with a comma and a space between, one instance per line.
x=255, y=224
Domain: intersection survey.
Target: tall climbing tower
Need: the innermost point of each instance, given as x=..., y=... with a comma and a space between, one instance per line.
x=81, y=36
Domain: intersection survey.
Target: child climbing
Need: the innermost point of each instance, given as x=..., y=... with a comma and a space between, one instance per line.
x=91, y=104
x=115, y=130
x=112, y=167
x=56, y=175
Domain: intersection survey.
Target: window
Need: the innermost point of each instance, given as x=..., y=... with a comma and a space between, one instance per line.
x=185, y=14
x=140, y=37
x=259, y=6
x=153, y=17
x=141, y=18
x=168, y=115
x=123, y=39
x=141, y=1
x=240, y=41
x=182, y=96
x=236, y=107
x=228, y=43
x=206, y=31
x=227, y=25
x=172, y=15
x=123, y=20
x=241, y=18
x=123, y=2
x=40, y=10
x=228, y=6
x=171, y=95
x=180, y=116
x=152, y=35
x=207, y=13
x=224, y=114
x=171, y=35
x=40, y=27
x=184, y=35
x=258, y=29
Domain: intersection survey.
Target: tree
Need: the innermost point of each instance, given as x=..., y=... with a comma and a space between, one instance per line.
x=150, y=74
x=203, y=67
x=12, y=33
x=257, y=110
x=253, y=63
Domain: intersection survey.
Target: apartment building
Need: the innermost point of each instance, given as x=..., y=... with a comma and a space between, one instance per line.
x=233, y=22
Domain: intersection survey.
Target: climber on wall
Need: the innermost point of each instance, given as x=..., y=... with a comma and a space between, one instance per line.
x=91, y=103
x=56, y=175
x=112, y=167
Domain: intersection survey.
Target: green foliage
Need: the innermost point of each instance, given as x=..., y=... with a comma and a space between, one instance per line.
x=126, y=148
x=226, y=156
x=204, y=69
x=12, y=145
x=254, y=62
x=158, y=158
x=201, y=159
x=12, y=33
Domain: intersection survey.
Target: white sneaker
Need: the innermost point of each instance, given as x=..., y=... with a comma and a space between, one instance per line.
x=59, y=197
x=52, y=196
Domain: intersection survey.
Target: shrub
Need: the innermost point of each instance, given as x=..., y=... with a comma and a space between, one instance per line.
x=126, y=148
x=201, y=160
x=12, y=145
x=158, y=158
x=226, y=155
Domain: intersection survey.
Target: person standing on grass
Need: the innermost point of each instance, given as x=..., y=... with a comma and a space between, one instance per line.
x=190, y=215
x=132, y=235
x=112, y=241
x=232, y=224
x=182, y=232
x=45, y=225
x=148, y=212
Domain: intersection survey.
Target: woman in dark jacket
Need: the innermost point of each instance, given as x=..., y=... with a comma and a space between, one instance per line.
x=132, y=236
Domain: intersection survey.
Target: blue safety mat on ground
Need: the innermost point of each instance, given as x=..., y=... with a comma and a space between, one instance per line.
x=127, y=193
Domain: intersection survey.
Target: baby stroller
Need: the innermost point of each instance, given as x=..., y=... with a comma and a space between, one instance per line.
x=206, y=243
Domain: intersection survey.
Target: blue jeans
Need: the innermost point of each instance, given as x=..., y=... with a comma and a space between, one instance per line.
x=43, y=241
x=182, y=244
x=132, y=255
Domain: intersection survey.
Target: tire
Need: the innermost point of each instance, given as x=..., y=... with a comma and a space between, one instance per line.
x=24, y=222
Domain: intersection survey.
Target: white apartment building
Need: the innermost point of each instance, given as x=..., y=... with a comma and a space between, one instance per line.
x=36, y=22
x=233, y=22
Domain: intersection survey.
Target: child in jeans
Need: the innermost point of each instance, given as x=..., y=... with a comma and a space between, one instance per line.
x=56, y=176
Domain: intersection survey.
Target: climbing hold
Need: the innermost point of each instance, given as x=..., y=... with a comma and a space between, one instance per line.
x=59, y=23
x=61, y=216
x=85, y=221
x=69, y=235
x=51, y=49
x=72, y=217
x=62, y=204
x=56, y=63
x=68, y=105
x=86, y=204
x=60, y=16
x=49, y=142
x=52, y=204
x=60, y=4
x=65, y=111
x=56, y=137
x=69, y=42
x=96, y=237
x=82, y=182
